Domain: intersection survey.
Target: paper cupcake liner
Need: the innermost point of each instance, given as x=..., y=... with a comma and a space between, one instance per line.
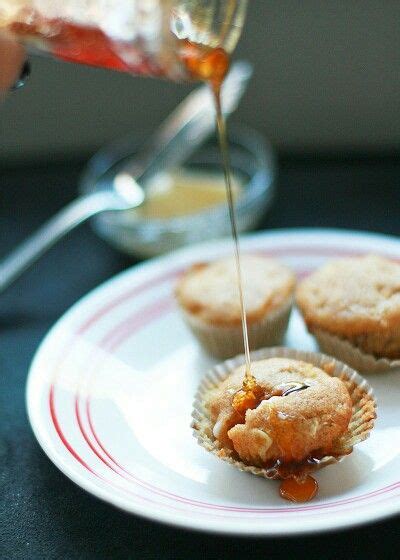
x=226, y=342
x=361, y=422
x=348, y=353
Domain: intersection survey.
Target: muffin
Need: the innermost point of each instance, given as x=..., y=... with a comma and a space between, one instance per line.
x=301, y=411
x=311, y=411
x=352, y=306
x=208, y=296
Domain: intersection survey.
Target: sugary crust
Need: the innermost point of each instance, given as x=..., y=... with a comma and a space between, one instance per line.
x=357, y=299
x=288, y=428
x=209, y=292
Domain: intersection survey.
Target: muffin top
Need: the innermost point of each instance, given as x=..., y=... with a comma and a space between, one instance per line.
x=302, y=412
x=209, y=291
x=352, y=296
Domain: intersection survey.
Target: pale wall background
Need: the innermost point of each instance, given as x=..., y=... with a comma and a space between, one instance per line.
x=327, y=79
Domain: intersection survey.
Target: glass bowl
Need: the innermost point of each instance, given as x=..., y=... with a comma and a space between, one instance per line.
x=252, y=161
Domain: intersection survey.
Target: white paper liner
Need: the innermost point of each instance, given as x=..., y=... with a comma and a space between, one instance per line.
x=226, y=342
x=349, y=354
x=361, y=393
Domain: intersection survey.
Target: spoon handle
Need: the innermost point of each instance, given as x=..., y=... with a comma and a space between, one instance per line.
x=75, y=213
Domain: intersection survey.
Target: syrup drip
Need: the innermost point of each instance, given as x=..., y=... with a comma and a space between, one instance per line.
x=297, y=486
x=248, y=397
x=298, y=491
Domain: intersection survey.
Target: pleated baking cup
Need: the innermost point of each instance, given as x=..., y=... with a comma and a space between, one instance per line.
x=226, y=342
x=360, y=426
x=352, y=355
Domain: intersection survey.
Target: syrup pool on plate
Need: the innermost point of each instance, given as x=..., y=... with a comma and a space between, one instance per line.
x=299, y=491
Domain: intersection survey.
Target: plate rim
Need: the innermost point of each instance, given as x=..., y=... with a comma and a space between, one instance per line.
x=224, y=527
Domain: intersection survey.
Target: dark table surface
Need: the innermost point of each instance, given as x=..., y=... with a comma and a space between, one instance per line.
x=45, y=516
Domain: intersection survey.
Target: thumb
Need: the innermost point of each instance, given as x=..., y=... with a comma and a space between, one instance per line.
x=12, y=56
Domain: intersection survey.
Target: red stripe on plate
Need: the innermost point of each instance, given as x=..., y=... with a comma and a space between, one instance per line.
x=61, y=433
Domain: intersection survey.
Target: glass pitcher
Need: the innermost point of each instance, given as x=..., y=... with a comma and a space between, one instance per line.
x=143, y=37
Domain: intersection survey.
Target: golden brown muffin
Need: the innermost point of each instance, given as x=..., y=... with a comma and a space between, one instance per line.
x=356, y=299
x=209, y=298
x=302, y=413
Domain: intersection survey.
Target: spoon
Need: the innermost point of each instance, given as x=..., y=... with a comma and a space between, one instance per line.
x=177, y=138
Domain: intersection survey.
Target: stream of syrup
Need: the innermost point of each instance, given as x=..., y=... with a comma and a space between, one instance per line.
x=212, y=65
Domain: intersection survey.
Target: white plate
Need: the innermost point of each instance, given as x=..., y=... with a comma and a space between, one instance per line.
x=110, y=393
